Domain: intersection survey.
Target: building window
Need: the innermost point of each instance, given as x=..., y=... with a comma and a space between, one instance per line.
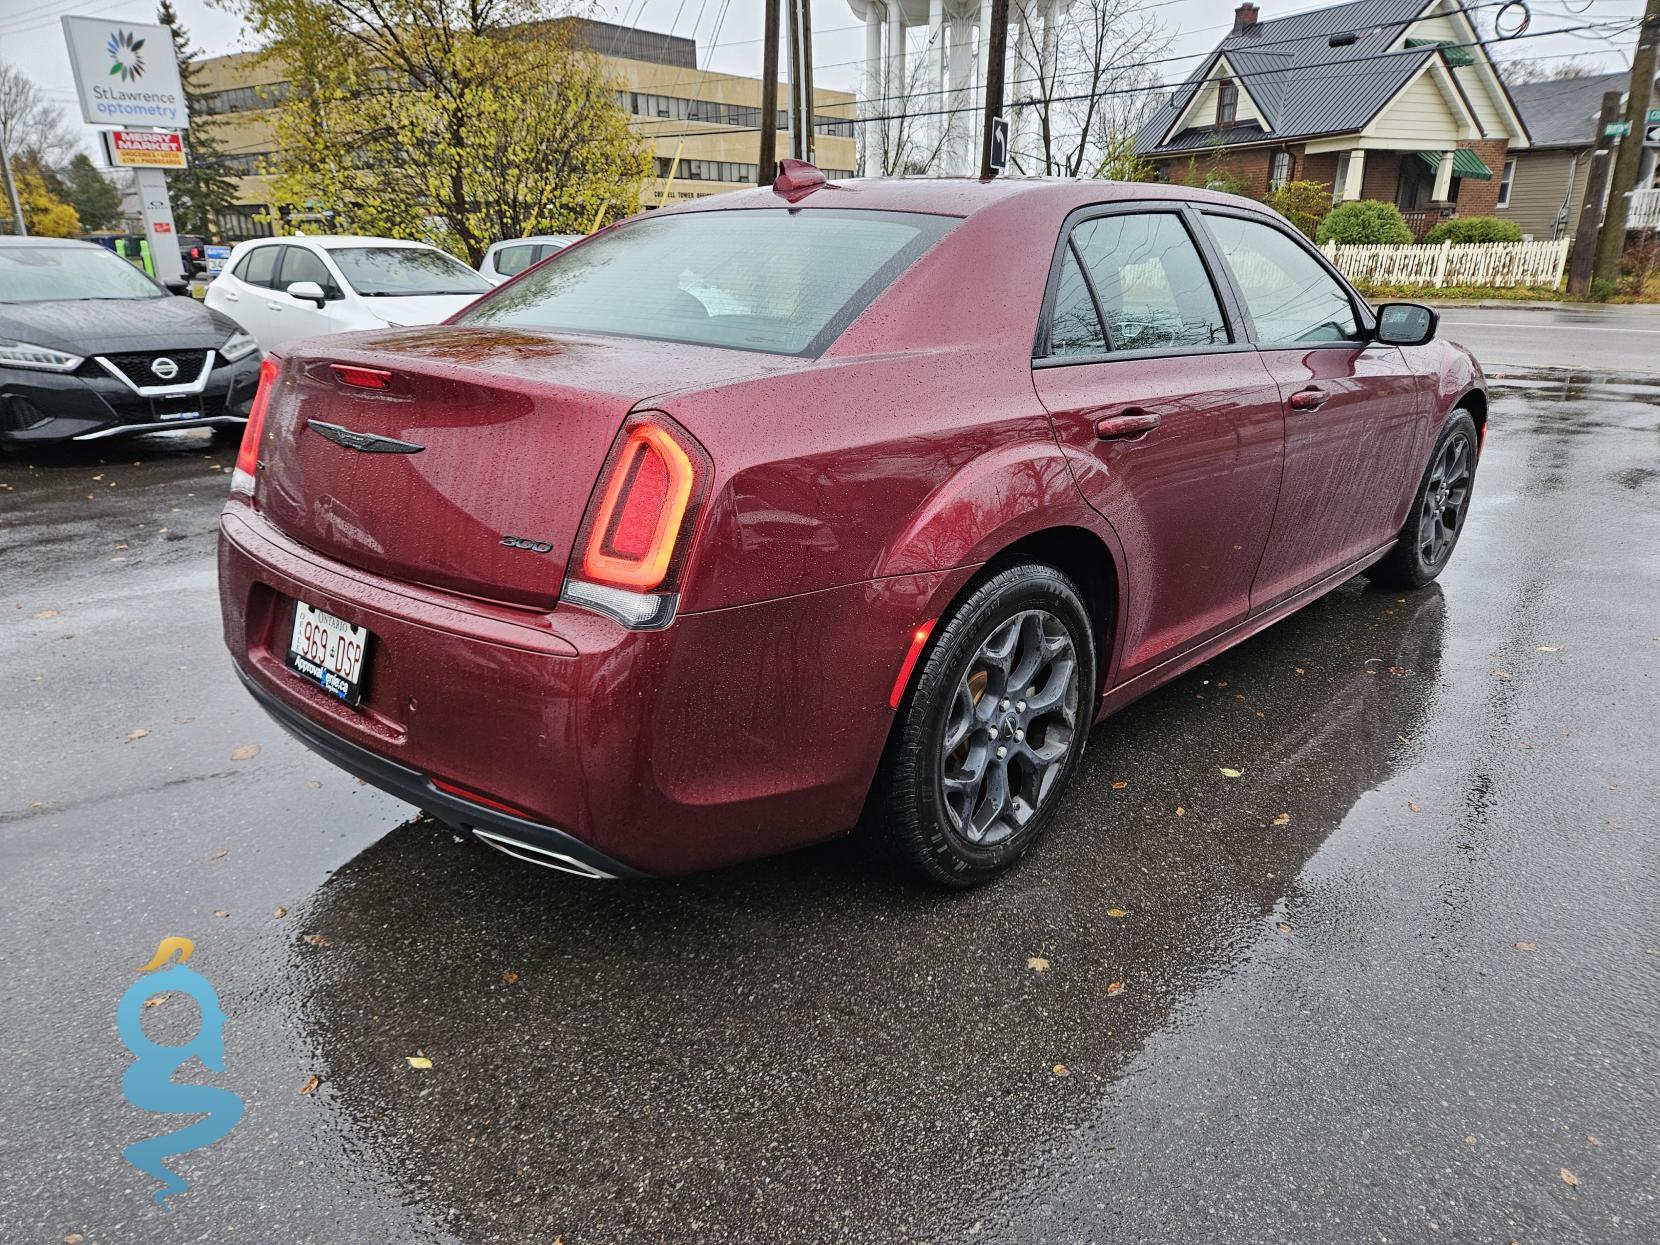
x=1341, y=179
x=1505, y=179
x=1279, y=170
x=1227, y=103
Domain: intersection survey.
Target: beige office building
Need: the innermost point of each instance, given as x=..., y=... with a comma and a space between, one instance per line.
x=658, y=83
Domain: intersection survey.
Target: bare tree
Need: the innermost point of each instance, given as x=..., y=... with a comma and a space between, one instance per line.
x=913, y=133
x=1523, y=70
x=1089, y=82
x=31, y=126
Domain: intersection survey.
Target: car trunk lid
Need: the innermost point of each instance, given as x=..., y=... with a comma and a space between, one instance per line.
x=471, y=468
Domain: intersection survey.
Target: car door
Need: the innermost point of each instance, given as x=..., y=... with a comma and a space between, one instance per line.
x=247, y=289
x=298, y=317
x=1351, y=404
x=1171, y=421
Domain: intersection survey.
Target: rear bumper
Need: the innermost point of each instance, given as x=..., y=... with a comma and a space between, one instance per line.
x=731, y=734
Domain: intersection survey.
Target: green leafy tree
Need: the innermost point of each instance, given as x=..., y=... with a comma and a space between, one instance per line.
x=1304, y=204
x=459, y=122
x=1364, y=222
x=202, y=190
x=95, y=198
x=1461, y=229
x=46, y=214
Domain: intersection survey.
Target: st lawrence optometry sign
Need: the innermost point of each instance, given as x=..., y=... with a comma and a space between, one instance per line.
x=125, y=73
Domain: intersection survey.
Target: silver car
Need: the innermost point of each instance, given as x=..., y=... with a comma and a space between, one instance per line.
x=510, y=258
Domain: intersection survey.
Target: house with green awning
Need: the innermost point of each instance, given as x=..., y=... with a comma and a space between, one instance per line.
x=1395, y=100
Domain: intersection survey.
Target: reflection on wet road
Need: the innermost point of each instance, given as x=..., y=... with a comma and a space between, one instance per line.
x=1388, y=984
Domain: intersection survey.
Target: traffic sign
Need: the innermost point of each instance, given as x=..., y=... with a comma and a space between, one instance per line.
x=1654, y=116
x=999, y=144
x=1616, y=129
x=1651, y=136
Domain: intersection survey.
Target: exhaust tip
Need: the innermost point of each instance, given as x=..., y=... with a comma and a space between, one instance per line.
x=532, y=854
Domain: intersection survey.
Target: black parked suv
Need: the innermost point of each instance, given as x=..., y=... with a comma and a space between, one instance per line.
x=90, y=348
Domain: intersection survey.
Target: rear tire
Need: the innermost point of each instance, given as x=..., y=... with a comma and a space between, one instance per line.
x=1436, y=520
x=992, y=728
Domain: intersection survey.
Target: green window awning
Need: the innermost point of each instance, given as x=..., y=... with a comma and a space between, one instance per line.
x=1456, y=56
x=1465, y=163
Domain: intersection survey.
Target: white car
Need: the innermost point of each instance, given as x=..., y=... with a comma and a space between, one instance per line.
x=510, y=258
x=283, y=289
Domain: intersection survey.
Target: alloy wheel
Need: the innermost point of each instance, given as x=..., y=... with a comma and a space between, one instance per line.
x=1010, y=727
x=1445, y=498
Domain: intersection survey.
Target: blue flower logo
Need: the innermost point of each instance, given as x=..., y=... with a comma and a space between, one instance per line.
x=125, y=60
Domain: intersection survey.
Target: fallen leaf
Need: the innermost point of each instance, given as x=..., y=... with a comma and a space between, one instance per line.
x=1284, y=928
x=1060, y=1069
x=1117, y=914
x=220, y=855
x=314, y=784
x=1037, y=964
x=45, y=614
x=1282, y=820
x=510, y=977
x=1413, y=805
x=419, y=1061
x=74, y=1238
x=156, y=1000
x=221, y=912
x=140, y=733
x=1400, y=672
x=280, y=912
x=311, y=1084
x=318, y=940
x=1114, y=987
x=1593, y=1140
x=1180, y=811
x=1569, y=1179
x=1470, y=1140
x=1300, y=670
x=245, y=753
x=1527, y=946
x=1547, y=648
x=1119, y=786
x=1501, y=674
x=1230, y=773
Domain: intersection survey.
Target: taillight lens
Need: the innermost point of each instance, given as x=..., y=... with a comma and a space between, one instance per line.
x=632, y=548
x=247, y=457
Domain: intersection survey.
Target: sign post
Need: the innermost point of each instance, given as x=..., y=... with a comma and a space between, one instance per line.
x=126, y=74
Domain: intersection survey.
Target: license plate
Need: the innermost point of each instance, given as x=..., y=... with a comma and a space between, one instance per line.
x=328, y=652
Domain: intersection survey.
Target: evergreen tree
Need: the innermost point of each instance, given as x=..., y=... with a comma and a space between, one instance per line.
x=95, y=198
x=203, y=189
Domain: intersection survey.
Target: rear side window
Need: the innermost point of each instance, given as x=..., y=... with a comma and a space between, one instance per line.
x=1075, y=328
x=751, y=279
x=258, y=266
x=512, y=260
x=1150, y=283
x=1292, y=299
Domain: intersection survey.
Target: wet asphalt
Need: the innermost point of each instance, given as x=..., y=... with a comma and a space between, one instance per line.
x=1399, y=981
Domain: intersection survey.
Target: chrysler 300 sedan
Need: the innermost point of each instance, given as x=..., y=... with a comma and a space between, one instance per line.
x=735, y=526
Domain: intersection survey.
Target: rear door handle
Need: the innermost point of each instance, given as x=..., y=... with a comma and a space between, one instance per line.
x=273, y=306
x=1308, y=399
x=1131, y=423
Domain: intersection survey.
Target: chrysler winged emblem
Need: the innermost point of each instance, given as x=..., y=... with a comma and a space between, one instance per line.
x=364, y=442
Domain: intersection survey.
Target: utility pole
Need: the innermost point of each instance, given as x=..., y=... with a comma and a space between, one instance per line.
x=19, y=226
x=1584, y=254
x=768, y=166
x=997, y=49
x=1611, y=245
x=801, y=79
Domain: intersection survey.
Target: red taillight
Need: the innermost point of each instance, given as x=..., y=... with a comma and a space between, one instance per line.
x=463, y=793
x=361, y=377
x=247, y=457
x=919, y=641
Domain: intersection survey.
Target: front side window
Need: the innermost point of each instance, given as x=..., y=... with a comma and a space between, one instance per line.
x=1150, y=283
x=1292, y=299
x=760, y=279
x=404, y=272
x=75, y=270
x=299, y=264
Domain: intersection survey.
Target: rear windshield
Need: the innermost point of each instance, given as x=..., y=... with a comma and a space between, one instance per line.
x=784, y=282
x=404, y=271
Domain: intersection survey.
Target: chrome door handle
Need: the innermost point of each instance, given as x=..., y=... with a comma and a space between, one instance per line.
x=1132, y=423
x=1307, y=399
x=273, y=306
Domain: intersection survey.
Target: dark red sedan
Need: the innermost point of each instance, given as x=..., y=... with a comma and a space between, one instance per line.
x=734, y=524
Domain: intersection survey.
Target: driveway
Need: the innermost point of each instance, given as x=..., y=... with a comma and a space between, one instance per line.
x=1399, y=981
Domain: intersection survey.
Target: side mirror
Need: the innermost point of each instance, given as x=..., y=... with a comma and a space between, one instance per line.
x=307, y=292
x=1406, y=324
x=181, y=288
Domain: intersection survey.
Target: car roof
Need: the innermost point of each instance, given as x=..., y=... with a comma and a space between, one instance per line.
x=11, y=240
x=954, y=196
x=536, y=237
x=331, y=240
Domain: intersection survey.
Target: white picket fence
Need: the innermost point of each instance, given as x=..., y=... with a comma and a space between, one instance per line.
x=1442, y=264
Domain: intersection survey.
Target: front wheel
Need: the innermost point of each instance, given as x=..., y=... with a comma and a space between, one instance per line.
x=1439, y=507
x=993, y=727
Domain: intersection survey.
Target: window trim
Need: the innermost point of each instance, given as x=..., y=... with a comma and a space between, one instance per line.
x=1365, y=322
x=276, y=264
x=1507, y=183
x=1182, y=209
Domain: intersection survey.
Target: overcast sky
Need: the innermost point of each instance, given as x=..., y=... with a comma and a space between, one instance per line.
x=31, y=34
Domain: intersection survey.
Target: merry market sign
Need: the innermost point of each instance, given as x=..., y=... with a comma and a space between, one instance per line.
x=125, y=73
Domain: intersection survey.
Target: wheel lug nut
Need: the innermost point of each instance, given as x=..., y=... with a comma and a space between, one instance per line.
x=1005, y=704
x=1001, y=753
x=1020, y=734
x=1021, y=706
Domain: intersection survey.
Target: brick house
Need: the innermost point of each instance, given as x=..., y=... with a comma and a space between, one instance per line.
x=1378, y=99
